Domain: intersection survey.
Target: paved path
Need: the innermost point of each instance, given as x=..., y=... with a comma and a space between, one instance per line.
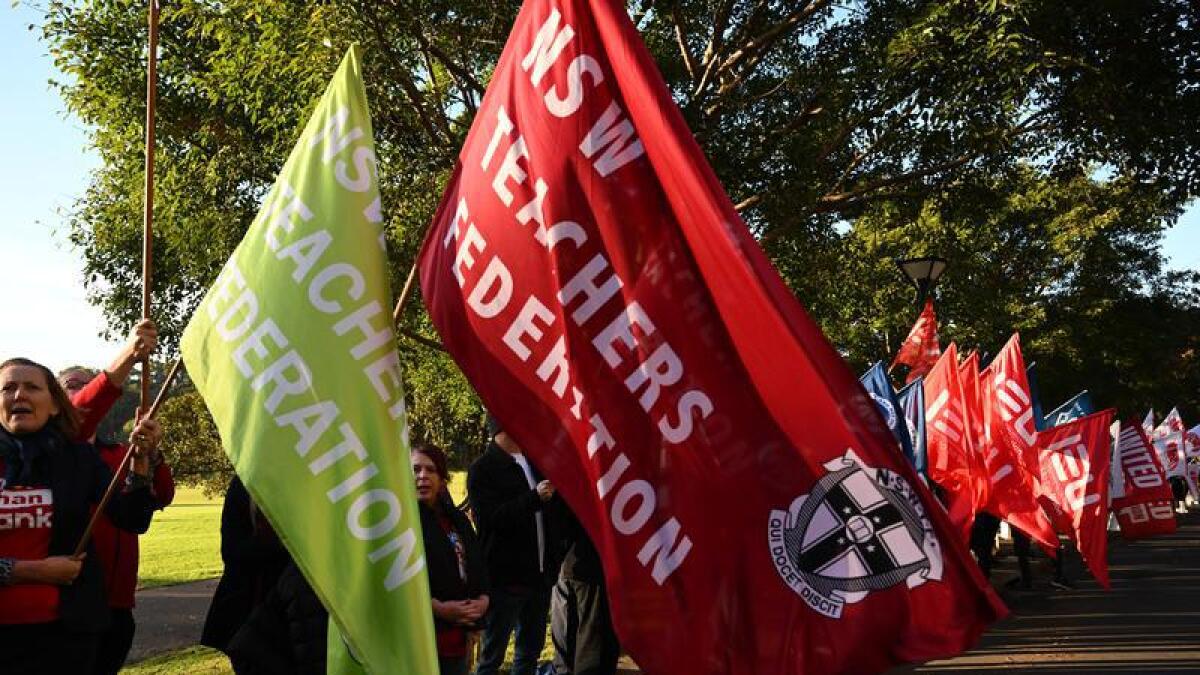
x=1148, y=623
x=170, y=617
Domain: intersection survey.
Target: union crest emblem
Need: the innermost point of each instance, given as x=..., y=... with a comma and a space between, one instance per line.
x=859, y=530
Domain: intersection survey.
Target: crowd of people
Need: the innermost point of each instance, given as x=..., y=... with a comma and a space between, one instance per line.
x=502, y=566
x=519, y=561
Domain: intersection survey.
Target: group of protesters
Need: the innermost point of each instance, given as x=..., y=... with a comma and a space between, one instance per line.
x=519, y=561
x=501, y=566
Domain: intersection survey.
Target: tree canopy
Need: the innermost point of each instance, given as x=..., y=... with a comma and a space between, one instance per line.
x=1044, y=146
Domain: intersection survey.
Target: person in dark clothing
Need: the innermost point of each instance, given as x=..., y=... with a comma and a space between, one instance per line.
x=983, y=540
x=458, y=582
x=118, y=550
x=510, y=500
x=1023, y=548
x=580, y=623
x=254, y=559
x=52, y=603
x=286, y=634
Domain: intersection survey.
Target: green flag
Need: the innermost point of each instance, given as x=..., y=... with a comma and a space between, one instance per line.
x=294, y=353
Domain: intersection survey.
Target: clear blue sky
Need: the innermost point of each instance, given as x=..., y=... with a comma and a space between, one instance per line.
x=44, y=164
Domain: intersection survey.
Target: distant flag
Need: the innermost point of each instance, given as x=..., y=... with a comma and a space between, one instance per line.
x=1074, y=460
x=948, y=439
x=968, y=375
x=1035, y=395
x=912, y=401
x=1011, y=439
x=879, y=388
x=1077, y=406
x=1148, y=422
x=1168, y=440
x=921, y=348
x=1145, y=506
x=1191, y=451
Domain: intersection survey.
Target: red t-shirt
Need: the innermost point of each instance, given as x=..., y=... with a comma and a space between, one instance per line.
x=25, y=517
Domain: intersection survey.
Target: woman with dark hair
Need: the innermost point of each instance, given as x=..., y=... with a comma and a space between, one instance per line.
x=52, y=604
x=457, y=576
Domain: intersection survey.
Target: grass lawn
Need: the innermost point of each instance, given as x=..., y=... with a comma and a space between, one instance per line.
x=189, y=661
x=184, y=542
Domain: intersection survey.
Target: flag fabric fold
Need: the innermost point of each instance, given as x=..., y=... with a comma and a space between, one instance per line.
x=593, y=282
x=921, y=349
x=1074, y=459
x=293, y=351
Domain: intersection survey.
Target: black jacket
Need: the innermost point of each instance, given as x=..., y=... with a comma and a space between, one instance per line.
x=286, y=634
x=504, y=506
x=441, y=562
x=581, y=560
x=254, y=558
x=77, y=479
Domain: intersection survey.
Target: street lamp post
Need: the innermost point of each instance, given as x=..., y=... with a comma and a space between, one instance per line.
x=923, y=274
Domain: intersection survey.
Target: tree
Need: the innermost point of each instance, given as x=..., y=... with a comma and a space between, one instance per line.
x=192, y=445
x=1072, y=264
x=813, y=114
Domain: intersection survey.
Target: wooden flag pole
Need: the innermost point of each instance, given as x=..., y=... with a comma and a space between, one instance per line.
x=112, y=484
x=148, y=214
x=404, y=295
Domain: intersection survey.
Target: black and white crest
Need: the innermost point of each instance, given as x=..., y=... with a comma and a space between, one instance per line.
x=859, y=530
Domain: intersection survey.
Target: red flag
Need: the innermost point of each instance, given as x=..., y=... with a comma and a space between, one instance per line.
x=1074, y=460
x=968, y=375
x=1143, y=504
x=948, y=439
x=1168, y=441
x=594, y=283
x=920, y=349
x=1014, y=483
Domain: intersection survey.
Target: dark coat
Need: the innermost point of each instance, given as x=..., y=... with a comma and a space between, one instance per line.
x=581, y=561
x=77, y=479
x=441, y=562
x=286, y=634
x=254, y=558
x=504, y=507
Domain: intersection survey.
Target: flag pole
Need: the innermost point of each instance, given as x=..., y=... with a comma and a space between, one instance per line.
x=403, y=298
x=148, y=214
x=112, y=484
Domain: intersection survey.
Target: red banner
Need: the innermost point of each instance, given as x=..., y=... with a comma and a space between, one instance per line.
x=1145, y=507
x=1074, y=458
x=920, y=349
x=594, y=283
x=948, y=440
x=1014, y=489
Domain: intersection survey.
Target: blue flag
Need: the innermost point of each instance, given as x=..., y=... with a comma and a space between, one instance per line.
x=1031, y=375
x=912, y=403
x=1079, y=406
x=876, y=382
